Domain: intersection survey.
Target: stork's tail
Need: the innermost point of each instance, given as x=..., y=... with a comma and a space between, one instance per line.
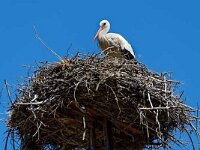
x=128, y=55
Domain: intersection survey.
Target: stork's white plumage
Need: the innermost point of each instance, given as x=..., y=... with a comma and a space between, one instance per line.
x=113, y=44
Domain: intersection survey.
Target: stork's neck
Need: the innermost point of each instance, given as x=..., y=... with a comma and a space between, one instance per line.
x=103, y=32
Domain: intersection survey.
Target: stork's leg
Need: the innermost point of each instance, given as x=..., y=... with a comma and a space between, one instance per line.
x=92, y=137
x=107, y=128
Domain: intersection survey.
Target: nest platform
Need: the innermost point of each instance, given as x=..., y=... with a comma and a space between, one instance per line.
x=69, y=104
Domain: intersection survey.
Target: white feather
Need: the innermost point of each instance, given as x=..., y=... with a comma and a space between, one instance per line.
x=123, y=43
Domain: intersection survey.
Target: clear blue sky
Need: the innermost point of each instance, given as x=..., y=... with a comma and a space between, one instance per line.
x=165, y=35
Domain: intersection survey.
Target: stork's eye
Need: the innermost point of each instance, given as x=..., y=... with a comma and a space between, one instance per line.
x=104, y=24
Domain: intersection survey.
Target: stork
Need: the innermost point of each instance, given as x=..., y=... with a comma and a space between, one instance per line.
x=112, y=44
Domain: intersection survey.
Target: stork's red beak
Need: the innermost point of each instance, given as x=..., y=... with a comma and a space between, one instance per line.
x=100, y=29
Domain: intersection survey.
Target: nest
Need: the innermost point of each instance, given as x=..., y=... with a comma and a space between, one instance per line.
x=61, y=103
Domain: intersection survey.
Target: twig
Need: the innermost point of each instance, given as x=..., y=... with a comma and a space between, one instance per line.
x=31, y=102
x=8, y=92
x=158, y=122
x=13, y=140
x=69, y=49
x=149, y=98
x=190, y=139
x=165, y=86
x=84, y=122
x=116, y=99
x=7, y=137
x=157, y=108
x=38, y=37
x=1, y=92
x=38, y=130
x=76, y=86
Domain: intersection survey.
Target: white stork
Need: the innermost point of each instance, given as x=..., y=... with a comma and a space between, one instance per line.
x=113, y=44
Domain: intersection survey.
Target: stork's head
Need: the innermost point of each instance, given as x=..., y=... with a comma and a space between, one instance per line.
x=104, y=24
x=103, y=29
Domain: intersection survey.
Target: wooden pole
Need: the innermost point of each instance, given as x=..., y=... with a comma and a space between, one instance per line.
x=107, y=128
x=92, y=137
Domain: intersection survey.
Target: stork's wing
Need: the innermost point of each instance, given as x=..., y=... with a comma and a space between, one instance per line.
x=119, y=41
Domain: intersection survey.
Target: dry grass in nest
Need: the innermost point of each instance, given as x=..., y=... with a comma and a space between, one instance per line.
x=61, y=102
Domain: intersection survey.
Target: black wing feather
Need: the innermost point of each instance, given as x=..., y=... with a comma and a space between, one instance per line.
x=127, y=54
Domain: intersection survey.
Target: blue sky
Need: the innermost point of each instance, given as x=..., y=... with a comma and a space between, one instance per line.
x=165, y=35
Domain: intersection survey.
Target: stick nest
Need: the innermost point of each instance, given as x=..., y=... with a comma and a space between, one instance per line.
x=59, y=105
